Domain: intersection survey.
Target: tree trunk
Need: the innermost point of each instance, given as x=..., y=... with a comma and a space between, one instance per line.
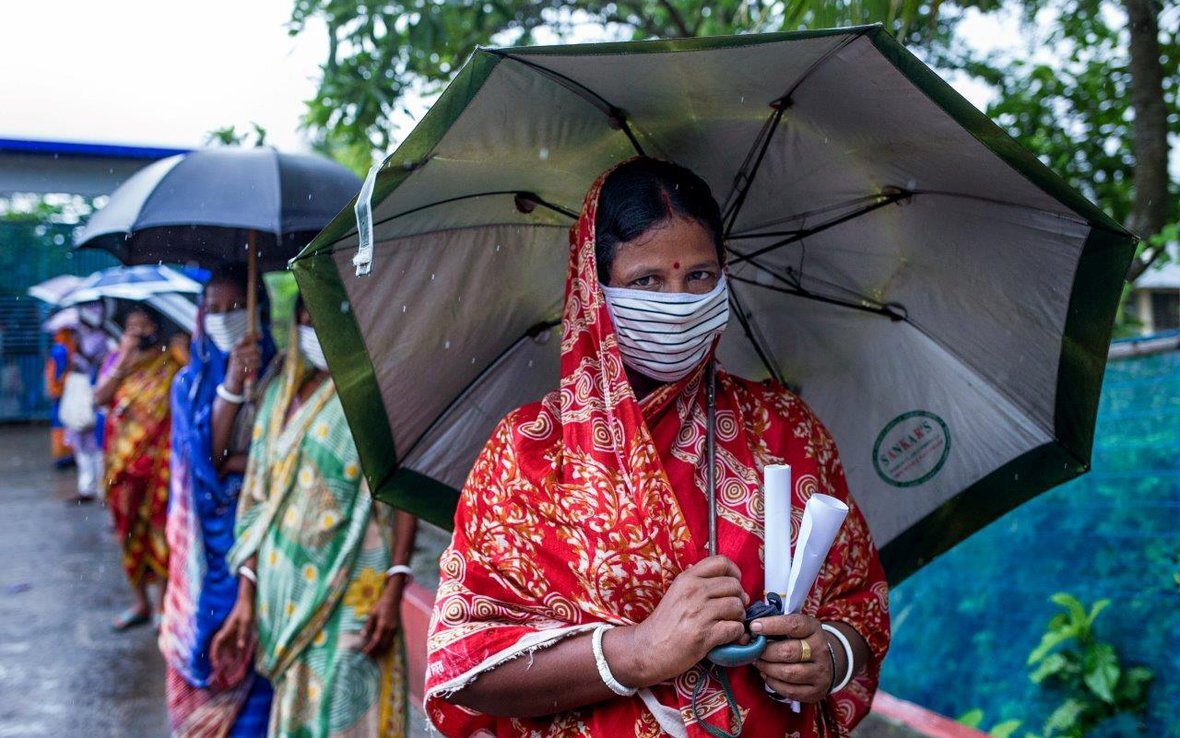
x=1149, y=212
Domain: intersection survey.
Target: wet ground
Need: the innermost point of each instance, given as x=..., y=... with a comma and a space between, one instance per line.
x=63, y=672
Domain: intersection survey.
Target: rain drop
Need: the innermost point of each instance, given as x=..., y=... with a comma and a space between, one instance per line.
x=345, y=307
x=497, y=247
x=431, y=277
x=446, y=344
x=530, y=363
x=544, y=154
x=473, y=360
x=403, y=308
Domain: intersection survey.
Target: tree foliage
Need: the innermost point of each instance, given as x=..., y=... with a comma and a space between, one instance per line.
x=1073, y=109
x=381, y=51
x=1094, y=95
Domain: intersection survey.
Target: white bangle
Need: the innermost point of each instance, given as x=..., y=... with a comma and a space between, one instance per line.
x=228, y=396
x=847, y=653
x=399, y=569
x=248, y=573
x=603, y=668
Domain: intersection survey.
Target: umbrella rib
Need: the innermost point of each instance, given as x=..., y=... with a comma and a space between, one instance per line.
x=743, y=181
x=616, y=116
x=531, y=197
x=893, y=311
x=456, y=229
x=740, y=311
x=531, y=333
x=1006, y=203
x=801, y=217
x=885, y=198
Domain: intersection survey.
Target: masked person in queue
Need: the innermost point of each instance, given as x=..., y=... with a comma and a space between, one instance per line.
x=134, y=384
x=213, y=406
x=321, y=565
x=577, y=597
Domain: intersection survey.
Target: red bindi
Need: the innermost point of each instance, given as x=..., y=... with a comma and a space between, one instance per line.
x=675, y=265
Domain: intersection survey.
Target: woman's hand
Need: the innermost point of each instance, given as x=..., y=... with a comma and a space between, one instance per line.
x=244, y=361
x=704, y=608
x=129, y=353
x=385, y=619
x=782, y=665
x=235, y=639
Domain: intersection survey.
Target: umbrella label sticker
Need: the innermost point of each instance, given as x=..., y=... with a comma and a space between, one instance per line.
x=912, y=449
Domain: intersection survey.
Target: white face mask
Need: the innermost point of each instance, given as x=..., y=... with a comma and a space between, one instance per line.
x=665, y=335
x=309, y=344
x=226, y=329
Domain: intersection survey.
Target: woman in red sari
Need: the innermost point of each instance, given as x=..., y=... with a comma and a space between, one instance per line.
x=577, y=597
x=135, y=383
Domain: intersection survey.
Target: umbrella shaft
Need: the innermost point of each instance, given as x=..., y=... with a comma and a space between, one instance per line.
x=711, y=452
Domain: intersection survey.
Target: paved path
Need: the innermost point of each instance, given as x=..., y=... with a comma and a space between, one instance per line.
x=63, y=672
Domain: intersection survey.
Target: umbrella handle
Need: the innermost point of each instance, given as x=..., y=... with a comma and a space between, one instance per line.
x=711, y=451
x=251, y=298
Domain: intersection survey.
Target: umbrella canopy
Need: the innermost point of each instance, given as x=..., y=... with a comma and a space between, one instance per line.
x=67, y=318
x=168, y=291
x=941, y=299
x=52, y=290
x=129, y=283
x=202, y=206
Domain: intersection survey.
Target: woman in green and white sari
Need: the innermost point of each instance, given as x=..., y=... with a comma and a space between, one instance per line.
x=321, y=567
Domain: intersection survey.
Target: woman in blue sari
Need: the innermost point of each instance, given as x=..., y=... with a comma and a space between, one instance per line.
x=212, y=416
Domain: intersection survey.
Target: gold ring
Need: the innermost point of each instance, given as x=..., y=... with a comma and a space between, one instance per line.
x=804, y=650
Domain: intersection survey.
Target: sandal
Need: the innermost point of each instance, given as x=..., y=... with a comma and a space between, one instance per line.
x=130, y=618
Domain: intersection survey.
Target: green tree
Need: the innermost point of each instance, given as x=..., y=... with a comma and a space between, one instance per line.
x=1099, y=112
x=380, y=51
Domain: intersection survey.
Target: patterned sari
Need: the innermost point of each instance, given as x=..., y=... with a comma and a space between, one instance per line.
x=137, y=439
x=201, y=587
x=60, y=354
x=323, y=546
x=583, y=508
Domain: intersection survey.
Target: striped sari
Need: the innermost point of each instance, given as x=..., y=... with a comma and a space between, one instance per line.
x=322, y=548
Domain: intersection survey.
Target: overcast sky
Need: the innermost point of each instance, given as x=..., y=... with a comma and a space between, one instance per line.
x=153, y=72
x=166, y=72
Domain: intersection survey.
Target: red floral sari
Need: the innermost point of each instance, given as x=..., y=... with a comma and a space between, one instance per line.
x=137, y=444
x=584, y=507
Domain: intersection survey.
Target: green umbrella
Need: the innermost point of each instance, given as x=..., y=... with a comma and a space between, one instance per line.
x=941, y=299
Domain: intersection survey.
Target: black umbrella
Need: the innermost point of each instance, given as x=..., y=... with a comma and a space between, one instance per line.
x=259, y=206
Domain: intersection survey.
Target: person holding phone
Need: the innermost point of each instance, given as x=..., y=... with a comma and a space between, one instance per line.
x=134, y=385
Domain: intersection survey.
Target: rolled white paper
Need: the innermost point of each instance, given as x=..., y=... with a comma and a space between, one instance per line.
x=822, y=518
x=776, y=527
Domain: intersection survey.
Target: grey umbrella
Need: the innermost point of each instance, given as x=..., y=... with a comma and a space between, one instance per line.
x=941, y=299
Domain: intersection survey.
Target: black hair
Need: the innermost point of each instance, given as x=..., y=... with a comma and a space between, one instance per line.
x=164, y=327
x=236, y=274
x=643, y=193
